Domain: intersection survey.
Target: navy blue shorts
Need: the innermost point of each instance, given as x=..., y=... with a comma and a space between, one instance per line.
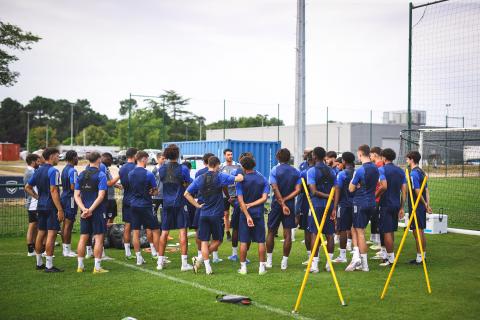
x=69, y=208
x=48, y=220
x=344, y=218
x=191, y=215
x=211, y=226
x=174, y=218
x=361, y=216
x=421, y=218
x=95, y=224
x=328, y=227
x=254, y=234
x=388, y=221
x=195, y=219
x=126, y=213
x=144, y=217
x=301, y=210
x=237, y=212
x=276, y=216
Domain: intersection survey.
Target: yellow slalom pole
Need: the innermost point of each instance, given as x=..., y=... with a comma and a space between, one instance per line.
x=315, y=246
x=402, y=242
x=424, y=263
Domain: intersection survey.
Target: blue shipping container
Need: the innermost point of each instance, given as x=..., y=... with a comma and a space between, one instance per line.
x=263, y=151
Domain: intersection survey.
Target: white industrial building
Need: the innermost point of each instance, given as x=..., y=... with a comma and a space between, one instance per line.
x=341, y=136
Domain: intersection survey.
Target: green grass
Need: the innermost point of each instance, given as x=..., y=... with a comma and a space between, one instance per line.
x=458, y=198
x=452, y=263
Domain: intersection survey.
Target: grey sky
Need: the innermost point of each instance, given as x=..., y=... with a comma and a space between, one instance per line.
x=243, y=51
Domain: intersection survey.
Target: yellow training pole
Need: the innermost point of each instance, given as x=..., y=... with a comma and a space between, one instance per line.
x=402, y=242
x=315, y=246
x=424, y=263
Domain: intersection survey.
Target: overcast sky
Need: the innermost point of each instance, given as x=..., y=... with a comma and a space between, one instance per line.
x=241, y=51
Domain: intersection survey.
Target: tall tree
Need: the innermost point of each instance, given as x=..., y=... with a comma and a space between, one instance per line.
x=175, y=104
x=13, y=38
x=13, y=122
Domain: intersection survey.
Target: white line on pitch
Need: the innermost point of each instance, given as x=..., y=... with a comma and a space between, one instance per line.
x=215, y=291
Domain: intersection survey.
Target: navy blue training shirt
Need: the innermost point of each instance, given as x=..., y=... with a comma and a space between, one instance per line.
x=173, y=190
x=252, y=188
x=286, y=178
x=124, y=171
x=69, y=175
x=140, y=182
x=99, y=179
x=343, y=180
x=395, y=178
x=323, y=183
x=367, y=176
x=43, y=178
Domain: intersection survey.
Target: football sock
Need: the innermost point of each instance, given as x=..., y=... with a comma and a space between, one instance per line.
x=234, y=251
x=80, y=262
x=153, y=250
x=208, y=267
x=184, y=260
x=97, y=263
x=269, y=258
x=215, y=255
x=343, y=253
x=128, y=253
x=39, y=259
x=49, y=262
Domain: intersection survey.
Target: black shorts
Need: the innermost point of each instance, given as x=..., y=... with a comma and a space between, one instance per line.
x=111, y=209
x=32, y=216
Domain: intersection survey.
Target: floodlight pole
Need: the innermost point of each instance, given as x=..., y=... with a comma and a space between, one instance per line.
x=409, y=106
x=224, y=118
x=28, y=131
x=71, y=124
x=129, y=119
x=278, y=122
x=300, y=84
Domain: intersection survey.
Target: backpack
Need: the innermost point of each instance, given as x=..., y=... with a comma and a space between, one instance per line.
x=326, y=180
x=89, y=184
x=171, y=175
x=209, y=188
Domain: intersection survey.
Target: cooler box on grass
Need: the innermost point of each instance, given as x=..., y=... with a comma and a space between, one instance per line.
x=436, y=223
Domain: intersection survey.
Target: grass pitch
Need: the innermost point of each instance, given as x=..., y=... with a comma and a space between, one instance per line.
x=137, y=292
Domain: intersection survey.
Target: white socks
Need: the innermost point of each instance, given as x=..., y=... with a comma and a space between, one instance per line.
x=364, y=259
x=419, y=256
x=89, y=251
x=243, y=266
x=160, y=260
x=139, y=257
x=39, y=259
x=262, y=267
x=315, y=263
x=199, y=254
x=49, y=262
x=383, y=253
x=208, y=267
x=215, y=255
x=153, y=250
x=184, y=260
x=97, y=264
x=343, y=253
x=356, y=253
x=349, y=244
x=80, y=262
x=128, y=253
x=269, y=258
x=234, y=251
x=309, y=253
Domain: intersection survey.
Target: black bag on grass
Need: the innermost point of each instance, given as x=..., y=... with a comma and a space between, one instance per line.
x=231, y=298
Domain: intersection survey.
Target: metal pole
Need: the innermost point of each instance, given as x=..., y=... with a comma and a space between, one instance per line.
x=409, y=107
x=371, y=129
x=163, y=116
x=224, y=118
x=327, y=131
x=129, y=120
x=463, y=146
x=71, y=124
x=446, y=144
x=28, y=131
x=300, y=84
x=84, y=139
x=200, y=123
x=278, y=122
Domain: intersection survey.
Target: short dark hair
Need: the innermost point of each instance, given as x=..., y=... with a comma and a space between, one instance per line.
x=376, y=150
x=131, y=152
x=49, y=152
x=207, y=156
x=171, y=152
x=227, y=150
x=245, y=154
x=32, y=157
x=331, y=154
x=159, y=154
x=140, y=155
x=70, y=155
x=283, y=155
x=415, y=156
x=248, y=163
x=364, y=149
x=93, y=156
x=187, y=164
x=309, y=156
x=388, y=154
x=339, y=159
x=107, y=155
x=348, y=157
x=319, y=153
x=213, y=161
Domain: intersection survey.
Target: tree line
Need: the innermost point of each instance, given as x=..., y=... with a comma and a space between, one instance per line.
x=163, y=119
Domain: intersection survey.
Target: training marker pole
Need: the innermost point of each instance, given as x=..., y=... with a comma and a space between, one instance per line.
x=315, y=246
x=420, y=244
x=402, y=242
